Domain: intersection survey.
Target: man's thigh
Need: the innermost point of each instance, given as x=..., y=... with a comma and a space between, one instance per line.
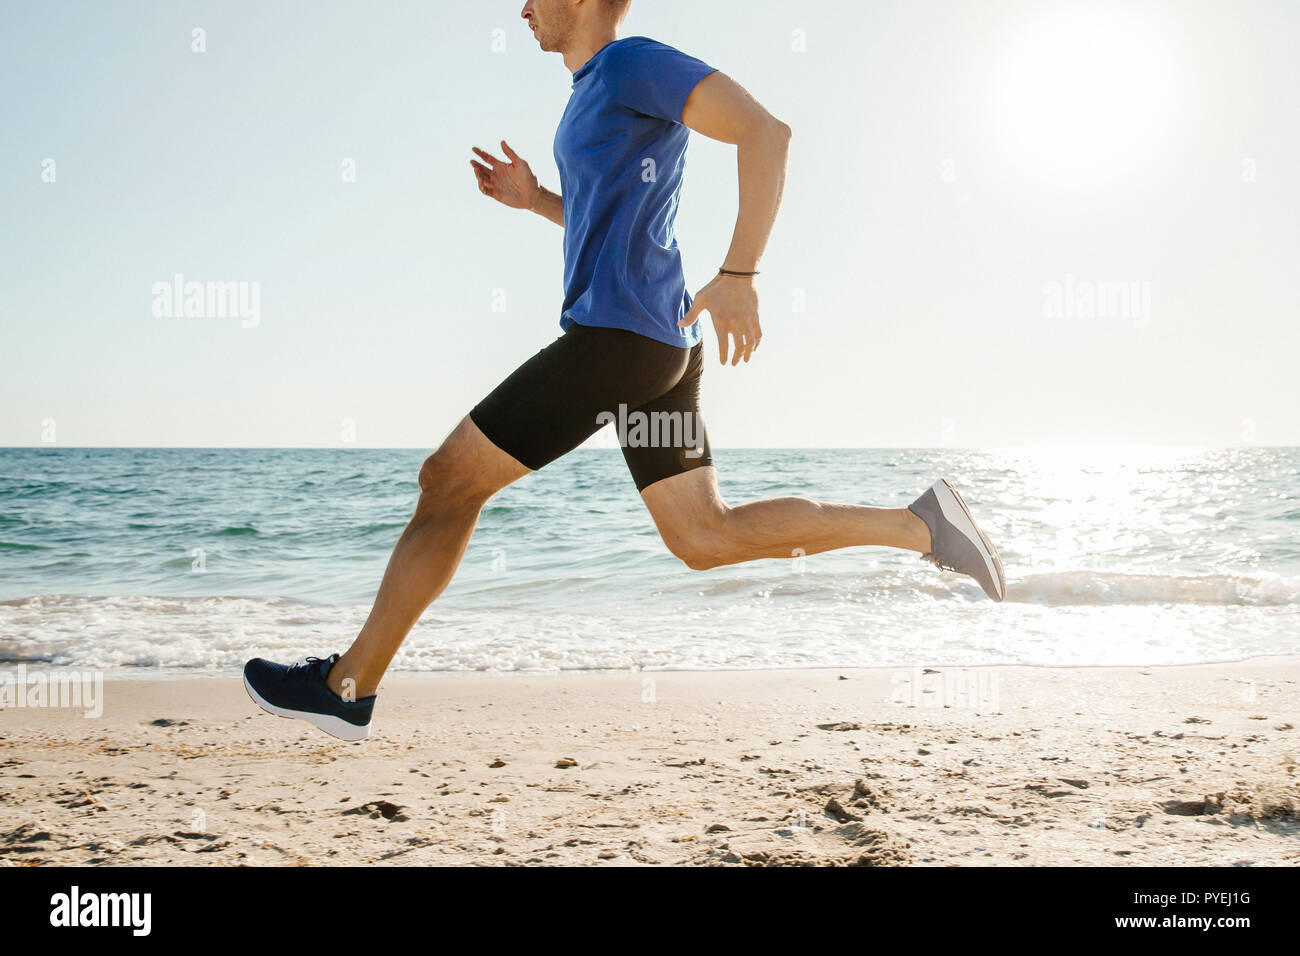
x=554, y=401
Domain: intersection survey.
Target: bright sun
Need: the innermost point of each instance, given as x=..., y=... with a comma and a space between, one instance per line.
x=1084, y=96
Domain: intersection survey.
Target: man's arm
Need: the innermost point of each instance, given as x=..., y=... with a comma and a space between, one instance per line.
x=515, y=185
x=721, y=109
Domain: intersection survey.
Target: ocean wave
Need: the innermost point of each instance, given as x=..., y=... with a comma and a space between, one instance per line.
x=1105, y=588
x=215, y=635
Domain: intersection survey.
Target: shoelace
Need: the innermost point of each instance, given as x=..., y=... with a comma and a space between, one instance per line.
x=933, y=559
x=302, y=668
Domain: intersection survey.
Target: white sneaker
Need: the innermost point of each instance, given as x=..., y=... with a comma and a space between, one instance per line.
x=956, y=542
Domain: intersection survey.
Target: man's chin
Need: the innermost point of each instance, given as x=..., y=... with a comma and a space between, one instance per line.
x=546, y=44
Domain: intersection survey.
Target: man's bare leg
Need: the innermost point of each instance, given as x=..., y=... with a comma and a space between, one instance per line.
x=701, y=529
x=455, y=482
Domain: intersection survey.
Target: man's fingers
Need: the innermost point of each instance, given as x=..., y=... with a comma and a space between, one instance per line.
x=488, y=157
x=740, y=351
x=510, y=153
x=723, y=342
x=691, y=317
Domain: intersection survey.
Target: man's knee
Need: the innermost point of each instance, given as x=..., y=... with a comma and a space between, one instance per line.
x=446, y=476
x=700, y=559
x=701, y=546
x=466, y=469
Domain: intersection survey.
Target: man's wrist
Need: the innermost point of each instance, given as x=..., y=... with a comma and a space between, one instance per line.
x=540, y=199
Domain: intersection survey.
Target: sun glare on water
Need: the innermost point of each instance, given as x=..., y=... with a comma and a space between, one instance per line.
x=1084, y=96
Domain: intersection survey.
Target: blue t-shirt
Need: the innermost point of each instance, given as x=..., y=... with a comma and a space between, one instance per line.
x=621, y=150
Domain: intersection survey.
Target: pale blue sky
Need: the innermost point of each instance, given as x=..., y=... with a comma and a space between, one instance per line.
x=925, y=219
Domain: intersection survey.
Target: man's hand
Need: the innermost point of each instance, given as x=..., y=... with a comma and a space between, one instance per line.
x=512, y=183
x=733, y=303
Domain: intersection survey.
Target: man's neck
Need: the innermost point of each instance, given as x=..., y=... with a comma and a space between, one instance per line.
x=576, y=57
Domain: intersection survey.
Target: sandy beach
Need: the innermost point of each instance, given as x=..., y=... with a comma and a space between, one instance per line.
x=1023, y=766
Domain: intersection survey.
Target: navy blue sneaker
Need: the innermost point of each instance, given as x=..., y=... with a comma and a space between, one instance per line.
x=299, y=690
x=956, y=542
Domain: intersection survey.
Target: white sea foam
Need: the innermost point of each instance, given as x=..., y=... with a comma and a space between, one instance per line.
x=1069, y=619
x=1109, y=589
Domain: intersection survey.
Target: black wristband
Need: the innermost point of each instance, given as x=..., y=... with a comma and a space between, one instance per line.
x=743, y=275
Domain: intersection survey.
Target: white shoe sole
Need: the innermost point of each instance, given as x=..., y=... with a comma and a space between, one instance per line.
x=955, y=511
x=334, y=726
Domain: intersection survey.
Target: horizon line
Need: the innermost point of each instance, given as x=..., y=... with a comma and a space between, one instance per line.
x=348, y=447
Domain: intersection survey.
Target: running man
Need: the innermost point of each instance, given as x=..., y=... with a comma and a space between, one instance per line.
x=631, y=346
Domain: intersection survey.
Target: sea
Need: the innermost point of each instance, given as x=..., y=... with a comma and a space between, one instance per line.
x=173, y=562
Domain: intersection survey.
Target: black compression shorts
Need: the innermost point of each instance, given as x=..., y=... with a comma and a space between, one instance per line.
x=591, y=377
